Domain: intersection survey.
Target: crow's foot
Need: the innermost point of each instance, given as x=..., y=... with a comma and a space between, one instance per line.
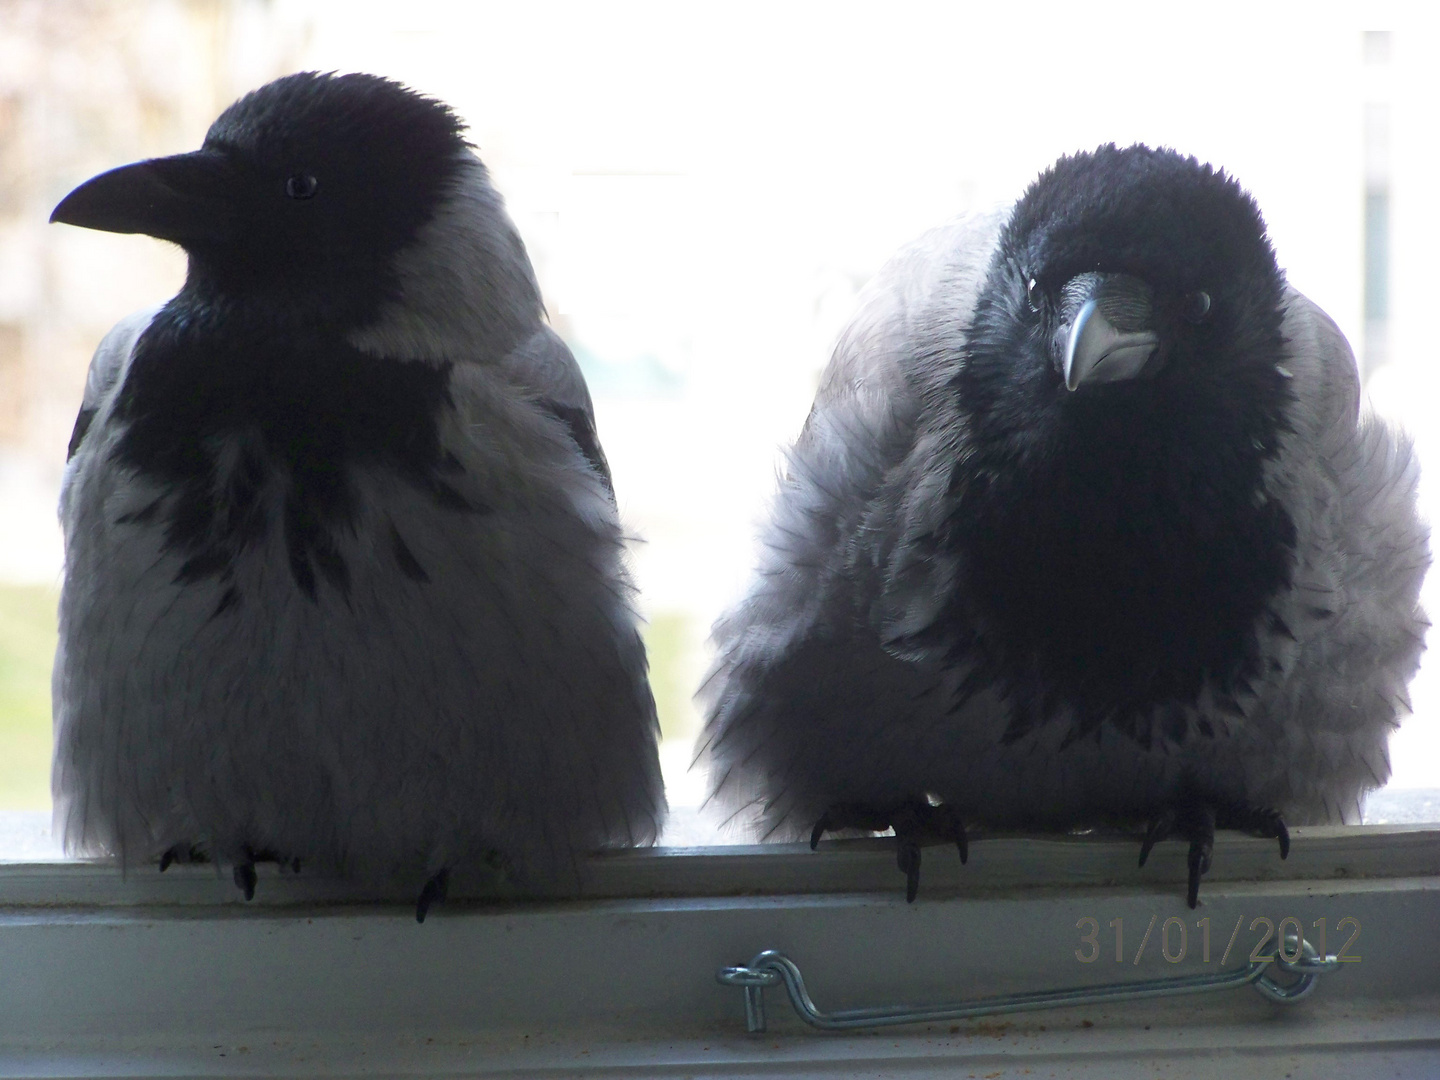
x=244, y=873
x=245, y=879
x=1264, y=823
x=182, y=853
x=916, y=823
x=435, y=890
x=1195, y=820
x=1189, y=819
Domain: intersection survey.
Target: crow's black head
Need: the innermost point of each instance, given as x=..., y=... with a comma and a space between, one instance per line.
x=1121, y=395
x=1124, y=275
x=296, y=214
x=303, y=192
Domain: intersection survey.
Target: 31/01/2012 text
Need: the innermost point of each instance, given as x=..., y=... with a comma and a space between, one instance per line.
x=1174, y=941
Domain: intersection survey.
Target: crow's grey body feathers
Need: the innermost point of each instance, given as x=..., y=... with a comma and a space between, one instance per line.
x=381, y=625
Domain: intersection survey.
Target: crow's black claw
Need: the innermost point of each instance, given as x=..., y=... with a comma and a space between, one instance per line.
x=181, y=853
x=1145, y=846
x=916, y=822
x=1195, y=862
x=1199, y=863
x=1195, y=819
x=1198, y=821
x=1157, y=830
x=435, y=889
x=1266, y=823
x=907, y=855
x=821, y=827
x=1192, y=887
x=245, y=879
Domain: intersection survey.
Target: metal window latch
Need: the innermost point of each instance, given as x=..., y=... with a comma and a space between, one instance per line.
x=770, y=968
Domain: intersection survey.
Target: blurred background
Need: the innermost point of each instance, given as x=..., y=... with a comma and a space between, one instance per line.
x=703, y=189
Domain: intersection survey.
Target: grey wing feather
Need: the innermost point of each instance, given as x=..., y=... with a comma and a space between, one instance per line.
x=107, y=367
x=107, y=371
x=544, y=364
x=1349, y=481
x=800, y=634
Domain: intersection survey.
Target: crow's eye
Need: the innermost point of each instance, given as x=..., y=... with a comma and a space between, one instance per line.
x=1033, y=295
x=302, y=186
x=1196, y=306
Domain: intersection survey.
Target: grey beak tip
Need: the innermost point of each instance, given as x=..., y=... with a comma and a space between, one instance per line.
x=1098, y=352
x=1073, y=374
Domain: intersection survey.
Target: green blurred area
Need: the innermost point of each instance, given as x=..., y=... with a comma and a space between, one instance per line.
x=27, y=649
x=672, y=644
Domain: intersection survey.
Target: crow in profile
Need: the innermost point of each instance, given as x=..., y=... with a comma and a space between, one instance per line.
x=344, y=578
x=1086, y=526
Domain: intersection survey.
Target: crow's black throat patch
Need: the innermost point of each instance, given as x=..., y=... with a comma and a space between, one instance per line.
x=1117, y=549
x=216, y=418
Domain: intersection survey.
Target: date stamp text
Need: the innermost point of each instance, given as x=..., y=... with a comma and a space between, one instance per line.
x=1175, y=939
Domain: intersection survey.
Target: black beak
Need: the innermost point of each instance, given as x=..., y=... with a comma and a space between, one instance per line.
x=185, y=198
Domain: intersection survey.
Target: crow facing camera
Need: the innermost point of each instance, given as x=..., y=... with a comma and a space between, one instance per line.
x=1086, y=526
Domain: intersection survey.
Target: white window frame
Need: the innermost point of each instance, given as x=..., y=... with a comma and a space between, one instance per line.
x=151, y=974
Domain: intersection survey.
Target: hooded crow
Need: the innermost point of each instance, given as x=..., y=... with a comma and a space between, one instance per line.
x=344, y=578
x=1086, y=526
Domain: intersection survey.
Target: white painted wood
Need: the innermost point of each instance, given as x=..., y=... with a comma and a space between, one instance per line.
x=160, y=976
x=996, y=863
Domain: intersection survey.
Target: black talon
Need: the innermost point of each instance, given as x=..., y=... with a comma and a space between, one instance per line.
x=1195, y=820
x=1200, y=827
x=1266, y=823
x=1269, y=823
x=1192, y=890
x=916, y=822
x=435, y=889
x=852, y=816
x=1157, y=830
x=181, y=853
x=821, y=828
x=245, y=879
x=907, y=855
x=1148, y=844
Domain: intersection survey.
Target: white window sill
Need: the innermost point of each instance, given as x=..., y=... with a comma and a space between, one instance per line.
x=998, y=863
x=162, y=975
